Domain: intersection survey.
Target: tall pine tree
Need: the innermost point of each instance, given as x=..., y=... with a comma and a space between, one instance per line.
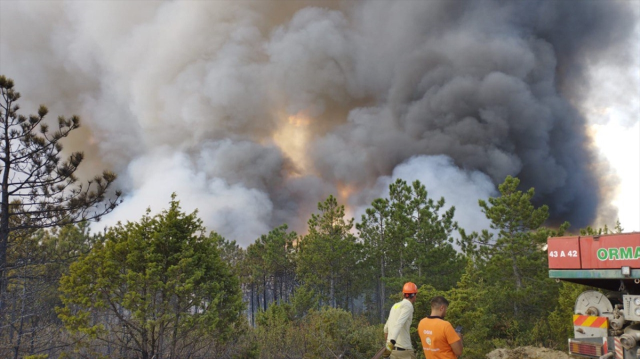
x=38, y=190
x=329, y=256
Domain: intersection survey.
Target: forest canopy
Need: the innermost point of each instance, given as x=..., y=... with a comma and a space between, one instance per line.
x=163, y=286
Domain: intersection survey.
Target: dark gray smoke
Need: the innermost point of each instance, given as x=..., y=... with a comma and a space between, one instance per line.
x=255, y=111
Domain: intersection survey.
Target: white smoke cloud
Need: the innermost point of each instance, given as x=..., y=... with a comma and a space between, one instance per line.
x=442, y=179
x=239, y=212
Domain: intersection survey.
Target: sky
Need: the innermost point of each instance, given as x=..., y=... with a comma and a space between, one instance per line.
x=615, y=123
x=612, y=108
x=253, y=112
x=620, y=144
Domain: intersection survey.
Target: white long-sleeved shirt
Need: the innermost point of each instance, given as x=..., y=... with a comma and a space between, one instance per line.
x=398, y=324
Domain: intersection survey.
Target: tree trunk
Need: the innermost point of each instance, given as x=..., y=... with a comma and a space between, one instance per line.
x=174, y=338
x=264, y=290
x=253, y=310
x=22, y=314
x=382, y=290
x=332, y=291
x=401, y=259
x=4, y=217
x=381, y=246
x=275, y=289
x=145, y=345
x=518, y=279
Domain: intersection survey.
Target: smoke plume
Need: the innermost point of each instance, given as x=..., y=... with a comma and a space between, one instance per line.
x=253, y=112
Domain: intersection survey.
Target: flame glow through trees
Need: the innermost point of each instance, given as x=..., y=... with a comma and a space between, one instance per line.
x=292, y=138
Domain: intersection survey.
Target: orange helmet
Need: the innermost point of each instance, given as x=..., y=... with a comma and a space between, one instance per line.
x=409, y=288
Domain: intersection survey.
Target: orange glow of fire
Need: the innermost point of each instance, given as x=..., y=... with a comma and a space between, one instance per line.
x=292, y=138
x=344, y=192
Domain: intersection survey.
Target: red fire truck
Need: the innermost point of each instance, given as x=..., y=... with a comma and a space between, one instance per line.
x=605, y=325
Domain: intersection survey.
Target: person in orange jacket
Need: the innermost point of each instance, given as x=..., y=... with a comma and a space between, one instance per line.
x=396, y=330
x=439, y=339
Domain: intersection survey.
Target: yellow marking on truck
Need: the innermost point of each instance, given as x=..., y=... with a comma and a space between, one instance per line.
x=590, y=321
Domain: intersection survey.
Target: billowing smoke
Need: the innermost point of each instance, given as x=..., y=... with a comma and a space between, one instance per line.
x=253, y=112
x=443, y=180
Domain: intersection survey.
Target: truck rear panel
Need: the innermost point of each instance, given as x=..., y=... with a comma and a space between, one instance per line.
x=607, y=261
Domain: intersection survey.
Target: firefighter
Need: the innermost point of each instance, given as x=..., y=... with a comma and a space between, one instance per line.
x=439, y=339
x=396, y=330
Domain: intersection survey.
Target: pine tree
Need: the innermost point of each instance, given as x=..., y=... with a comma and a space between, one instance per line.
x=513, y=261
x=279, y=260
x=408, y=237
x=157, y=287
x=373, y=231
x=39, y=190
x=437, y=262
x=329, y=256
